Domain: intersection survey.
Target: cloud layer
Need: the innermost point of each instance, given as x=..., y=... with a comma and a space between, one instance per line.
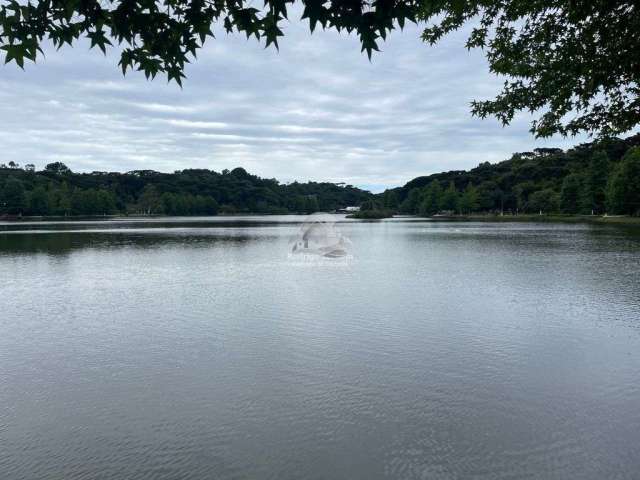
x=315, y=110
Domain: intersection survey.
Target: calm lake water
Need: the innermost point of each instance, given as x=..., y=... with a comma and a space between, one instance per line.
x=195, y=348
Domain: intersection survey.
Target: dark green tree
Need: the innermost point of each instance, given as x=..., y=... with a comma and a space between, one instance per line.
x=14, y=200
x=39, y=202
x=300, y=204
x=522, y=191
x=149, y=201
x=623, y=190
x=207, y=205
x=105, y=203
x=369, y=205
x=60, y=200
x=544, y=201
x=411, y=204
x=595, y=184
x=431, y=199
x=390, y=200
x=57, y=167
x=570, y=193
x=469, y=200
x=490, y=196
x=450, y=199
x=80, y=202
x=170, y=204
x=311, y=204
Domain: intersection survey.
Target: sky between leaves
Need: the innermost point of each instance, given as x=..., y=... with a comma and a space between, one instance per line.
x=316, y=110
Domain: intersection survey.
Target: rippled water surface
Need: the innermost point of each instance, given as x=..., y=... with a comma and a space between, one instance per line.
x=191, y=349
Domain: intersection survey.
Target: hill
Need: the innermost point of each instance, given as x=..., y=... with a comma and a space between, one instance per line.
x=57, y=190
x=598, y=177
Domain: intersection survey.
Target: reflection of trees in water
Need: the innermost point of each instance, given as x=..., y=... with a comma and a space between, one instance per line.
x=64, y=243
x=146, y=223
x=58, y=244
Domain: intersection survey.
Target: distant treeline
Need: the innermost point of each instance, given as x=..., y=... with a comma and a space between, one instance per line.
x=57, y=190
x=594, y=178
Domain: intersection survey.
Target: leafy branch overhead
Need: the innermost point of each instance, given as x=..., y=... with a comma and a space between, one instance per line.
x=573, y=63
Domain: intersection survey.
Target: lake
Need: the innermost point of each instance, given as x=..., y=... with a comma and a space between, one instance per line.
x=198, y=348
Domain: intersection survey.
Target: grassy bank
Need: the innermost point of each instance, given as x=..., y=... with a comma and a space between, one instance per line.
x=71, y=218
x=615, y=220
x=375, y=215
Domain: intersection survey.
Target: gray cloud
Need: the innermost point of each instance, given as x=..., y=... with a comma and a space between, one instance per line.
x=316, y=110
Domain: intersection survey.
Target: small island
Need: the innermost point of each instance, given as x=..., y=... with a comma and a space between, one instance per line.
x=372, y=210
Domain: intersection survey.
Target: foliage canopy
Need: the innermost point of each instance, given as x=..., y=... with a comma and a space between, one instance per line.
x=57, y=190
x=592, y=178
x=575, y=63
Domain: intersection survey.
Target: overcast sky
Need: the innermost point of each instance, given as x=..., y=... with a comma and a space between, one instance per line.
x=315, y=110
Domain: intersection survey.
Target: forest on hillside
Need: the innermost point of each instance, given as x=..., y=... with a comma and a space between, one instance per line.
x=58, y=191
x=592, y=178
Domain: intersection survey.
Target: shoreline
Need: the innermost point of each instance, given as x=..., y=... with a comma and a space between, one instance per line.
x=74, y=218
x=524, y=218
x=533, y=218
